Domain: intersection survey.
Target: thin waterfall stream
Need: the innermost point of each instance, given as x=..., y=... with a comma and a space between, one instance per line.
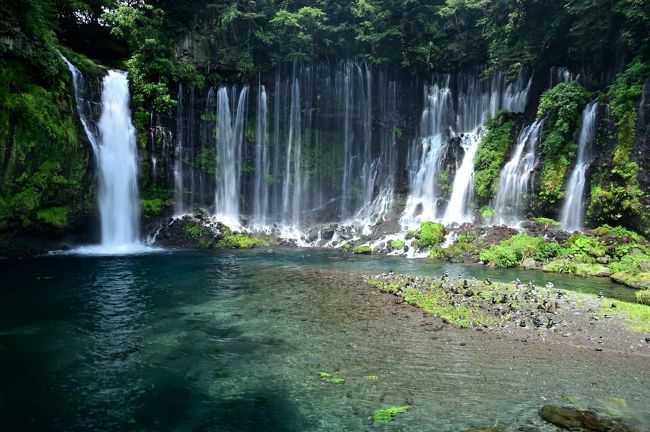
x=572, y=214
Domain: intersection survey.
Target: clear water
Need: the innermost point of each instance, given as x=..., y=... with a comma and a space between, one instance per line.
x=234, y=341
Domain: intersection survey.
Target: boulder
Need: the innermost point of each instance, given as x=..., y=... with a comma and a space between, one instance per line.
x=585, y=420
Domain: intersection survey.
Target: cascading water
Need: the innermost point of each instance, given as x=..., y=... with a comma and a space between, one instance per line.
x=118, y=166
x=229, y=142
x=378, y=209
x=83, y=107
x=117, y=163
x=462, y=187
x=179, y=187
x=426, y=159
x=476, y=100
x=572, y=214
x=514, y=180
x=261, y=189
x=559, y=74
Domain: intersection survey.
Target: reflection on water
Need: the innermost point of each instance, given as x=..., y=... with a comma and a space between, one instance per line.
x=230, y=342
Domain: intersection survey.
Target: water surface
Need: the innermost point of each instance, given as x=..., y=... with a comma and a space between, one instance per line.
x=234, y=342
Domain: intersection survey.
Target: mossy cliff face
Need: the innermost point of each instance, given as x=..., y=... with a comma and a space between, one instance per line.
x=46, y=176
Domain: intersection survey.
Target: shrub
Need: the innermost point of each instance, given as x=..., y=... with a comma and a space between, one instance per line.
x=618, y=231
x=397, y=244
x=430, y=234
x=55, y=216
x=584, y=244
x=512, y=251
x=631, y=264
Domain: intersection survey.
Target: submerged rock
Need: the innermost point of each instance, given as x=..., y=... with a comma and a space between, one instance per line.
x=575, y=419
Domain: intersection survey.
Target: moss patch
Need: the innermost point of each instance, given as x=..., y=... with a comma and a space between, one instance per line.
x=491, y=154
x=643, y=296
x=54, y=216
x=242, y=241
x=386, y=415
x=636, y=315
x=362, y=250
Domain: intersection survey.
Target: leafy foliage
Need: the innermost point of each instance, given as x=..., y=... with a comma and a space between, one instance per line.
x=491, y=154
x=510, y=252
x=561, y=107
x=430, y=235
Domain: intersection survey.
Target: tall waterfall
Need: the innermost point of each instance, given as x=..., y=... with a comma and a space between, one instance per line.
x=317, y=144
x=179, y=186
x=261, y=188
x=462, y=117
x=115, y=151
x=229, y=143
x=426, y=159
x=118, y=166
x=572, y=214
x=514, y=180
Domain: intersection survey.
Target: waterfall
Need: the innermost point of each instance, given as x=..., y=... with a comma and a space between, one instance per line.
x=118, y=165
x=514, y=180
x=292, y=187
x=378, y=208
x=426, y=159
x=179, y=189
x=462, y=187
x=261, y=189
x=559, y=74
x=572, y=214
x=229, y=143
x=83, y=107
x=461, y=115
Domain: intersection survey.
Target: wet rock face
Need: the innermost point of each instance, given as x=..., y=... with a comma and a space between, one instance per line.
x=575, y=419
x=188, y=231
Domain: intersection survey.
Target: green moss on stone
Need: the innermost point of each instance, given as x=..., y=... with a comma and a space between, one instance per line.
x=362, y=250
x=396, y=244
x=643, y=296
x=491, y=154
x=241, y=241
x=386, y=415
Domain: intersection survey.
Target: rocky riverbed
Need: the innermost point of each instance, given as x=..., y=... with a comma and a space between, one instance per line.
x=525, y=311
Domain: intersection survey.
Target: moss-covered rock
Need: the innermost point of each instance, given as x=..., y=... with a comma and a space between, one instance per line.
x=362, y=250
x=396, y=244
x=491, y=155
x=643, y=296
x=242, y=241
x=386, y=415
x=638, y=280
x=564, y=265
